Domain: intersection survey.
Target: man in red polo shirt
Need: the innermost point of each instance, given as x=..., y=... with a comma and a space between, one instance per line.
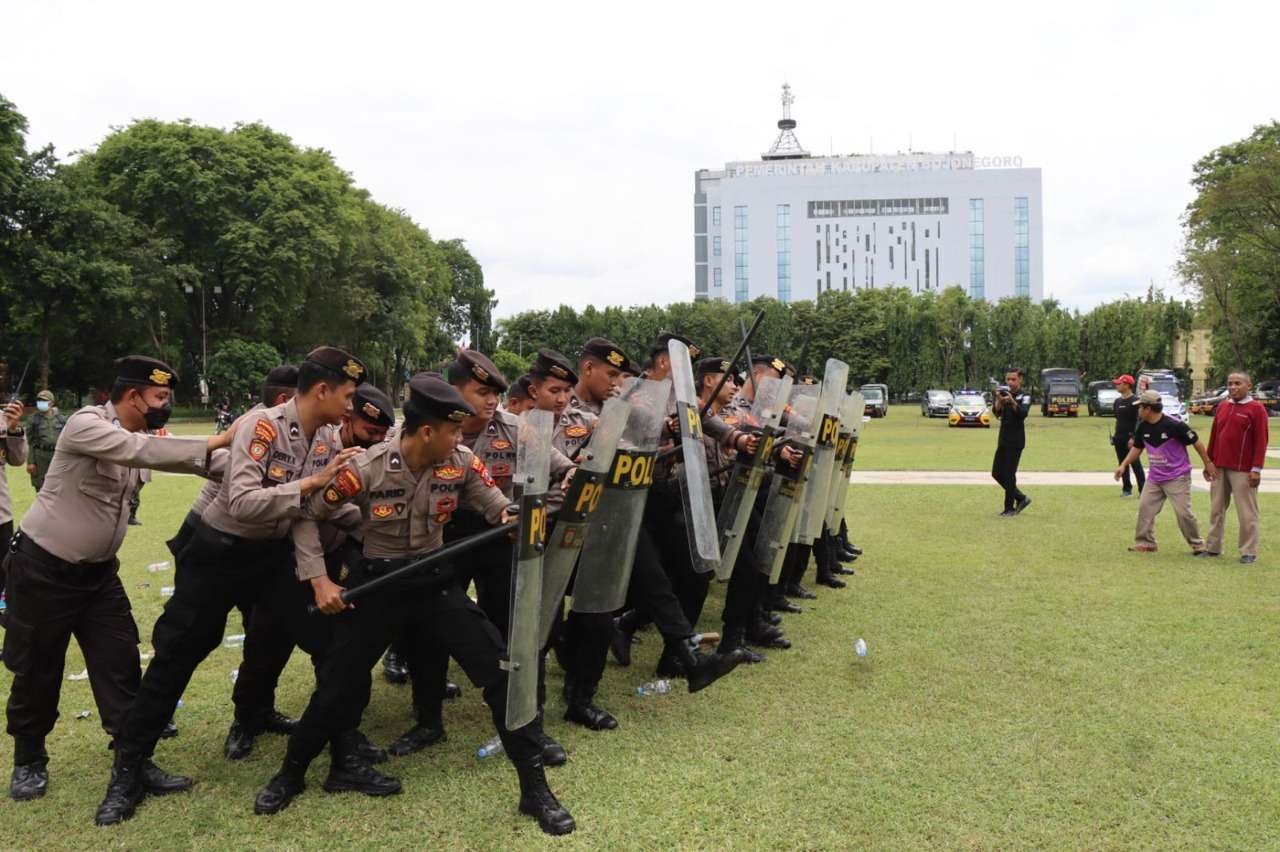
x=1238, y=447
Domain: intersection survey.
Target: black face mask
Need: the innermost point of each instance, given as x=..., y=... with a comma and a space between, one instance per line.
x=156, y=417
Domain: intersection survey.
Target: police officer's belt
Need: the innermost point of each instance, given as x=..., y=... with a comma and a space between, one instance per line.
x=27, y=547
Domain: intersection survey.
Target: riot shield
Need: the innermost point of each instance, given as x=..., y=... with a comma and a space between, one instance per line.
x=533, y=461
x=695, y=480
x=839, y=471
x=604, y=566
x=787, y=486
x=580, y=501
x=748, y=471
x=813, y=510
x=836, y=514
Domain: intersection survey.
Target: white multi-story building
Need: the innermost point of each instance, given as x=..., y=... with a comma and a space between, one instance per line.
x=791, y=225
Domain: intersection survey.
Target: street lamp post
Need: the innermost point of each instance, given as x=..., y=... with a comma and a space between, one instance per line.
x=204, y=326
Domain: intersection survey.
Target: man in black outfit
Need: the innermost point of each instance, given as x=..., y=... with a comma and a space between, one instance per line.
x=1126, y=423
x=1011, y=406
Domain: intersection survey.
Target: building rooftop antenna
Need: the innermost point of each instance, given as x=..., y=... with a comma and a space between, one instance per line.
x=787, y=146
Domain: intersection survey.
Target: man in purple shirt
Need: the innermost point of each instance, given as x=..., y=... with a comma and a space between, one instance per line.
x=1169, y=475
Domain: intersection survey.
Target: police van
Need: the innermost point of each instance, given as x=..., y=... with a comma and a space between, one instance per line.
x=1060, y=387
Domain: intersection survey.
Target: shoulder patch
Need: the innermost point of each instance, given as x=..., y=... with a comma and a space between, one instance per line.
x=258, y=449
x=263, y=430
x=479, y=468
x=344, y=486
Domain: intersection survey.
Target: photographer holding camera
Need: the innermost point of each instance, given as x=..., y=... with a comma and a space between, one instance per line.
x=1011, y=406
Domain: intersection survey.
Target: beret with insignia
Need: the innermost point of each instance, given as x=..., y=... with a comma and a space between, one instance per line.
x=141, y=370
x=772, y=362
x=337, y=362
x=373, y=405
x=632, y=368
x=550, y=364
x=709, y=366
x=660, y=344
x=808, y=379
x=473, y=365
x=432, y=397
x=519, y=388
x=284, y=376
x=606, y=351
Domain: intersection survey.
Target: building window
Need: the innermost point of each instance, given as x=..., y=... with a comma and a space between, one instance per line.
x=977, y=258
x=1021, y=247
x=715, y=217
x=783, y=225
x=715, y=246
x=717, y=277
x=740, y=280
x=877, y=207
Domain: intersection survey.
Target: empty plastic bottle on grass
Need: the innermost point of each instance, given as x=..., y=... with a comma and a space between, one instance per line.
x=860, y=647
x=235, y=640
x=157, y=567
x=166, y=591
x=654, y=687
x=489, y=749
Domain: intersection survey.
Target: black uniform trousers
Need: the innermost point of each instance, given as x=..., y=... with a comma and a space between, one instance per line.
x=746, y=584
x=215, y=572
x=424, y=612
x=49, y=602
x=1122, y=450
x=268, y=646
x=1004, y=470
x=6, y=536
x=665, y=518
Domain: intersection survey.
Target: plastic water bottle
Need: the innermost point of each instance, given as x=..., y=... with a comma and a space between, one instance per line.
x=654, y=687
x=860, y=647
x=166, y=591
x=157, y=567
x=235, y=640
x=489, y=749
x=235, y=675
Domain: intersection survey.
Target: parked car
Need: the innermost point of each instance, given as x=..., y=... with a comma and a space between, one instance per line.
x=968, y=408
x=1208, y=403
x=1102, y=399
x=1166, y=384
x=935, y=403
x=875, y=400
x=1267, y=392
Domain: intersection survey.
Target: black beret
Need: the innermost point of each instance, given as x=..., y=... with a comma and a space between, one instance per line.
x=473, y=365
x=632, y=368
x=284, y=376
x=551, y=364
x=772, y=362
x=374, y=405
x=808, y=379
x=519, y=388
x=432, y=396
x=341, y=364
x=606, y=351
x=707, y=366
x=141, y=370
x=660, y=344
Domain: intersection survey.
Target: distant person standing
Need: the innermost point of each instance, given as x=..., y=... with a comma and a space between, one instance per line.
x=1166, y=441
x=1012, y=406
x=46, y=426
x=1126, y=424
x=13, y=450
x=1238, y=447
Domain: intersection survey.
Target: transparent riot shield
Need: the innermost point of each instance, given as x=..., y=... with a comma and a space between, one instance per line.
x=604, y=566
x=813, y=510
x=836, y=515
x=695, y=480
x=840, y=473
x=749, y=471
x=788, y=481
x=533, y=462
x=582, y=498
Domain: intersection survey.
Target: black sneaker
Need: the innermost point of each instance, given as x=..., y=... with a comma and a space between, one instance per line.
x=29, y=781
x=1022, y=504
x=1008, y=513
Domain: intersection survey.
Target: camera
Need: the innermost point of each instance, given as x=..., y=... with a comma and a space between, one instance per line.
x=1003, y=390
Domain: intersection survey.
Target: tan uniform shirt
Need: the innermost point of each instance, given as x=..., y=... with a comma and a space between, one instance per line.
x=82, y=512
x=261, y=494
x=402, y=514
x=578, y=402
x=496, y=445
x=217, y=469
x=13, y=451
x=573, y=430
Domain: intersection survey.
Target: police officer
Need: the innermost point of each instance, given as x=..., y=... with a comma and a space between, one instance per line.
x=46, y=426
x=551, y=383
x=63, y=572
x=518, y=400
x=601, y=371
x=241, y=555
x=13, y=450
x=407, y=490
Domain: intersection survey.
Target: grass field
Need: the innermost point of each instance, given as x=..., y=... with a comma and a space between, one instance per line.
x=1029, y=684
x=906, y=441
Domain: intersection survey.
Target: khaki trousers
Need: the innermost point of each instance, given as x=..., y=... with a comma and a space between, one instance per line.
x=1233, y=484
x=1178, y=493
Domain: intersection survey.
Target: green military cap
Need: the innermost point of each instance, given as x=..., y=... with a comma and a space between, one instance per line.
x=473, y=365
x=341, y=364
x=141, y=370
x=550, y=364
x=373, y=405
x=431, y=396
x=606, y=351
x=46, y=395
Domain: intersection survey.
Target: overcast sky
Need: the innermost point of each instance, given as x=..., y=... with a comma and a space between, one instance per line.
x=560, y=140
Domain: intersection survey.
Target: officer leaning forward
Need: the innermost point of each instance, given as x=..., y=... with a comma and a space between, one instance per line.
x=63, y=572
x=241, y=556
x=406, y=490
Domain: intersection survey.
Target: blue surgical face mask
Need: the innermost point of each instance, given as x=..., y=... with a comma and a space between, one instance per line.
x=42, y=405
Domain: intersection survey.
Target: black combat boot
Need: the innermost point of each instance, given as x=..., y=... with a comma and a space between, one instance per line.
x=827, y=565
x=702, y=670
x=734, y=641
x=581, y=708
x=624, y=635
x=394, y=668
x=794, y=589
x=30, y=779
x=553, y=754
x=125, y=792
x=670, y=663
x=776, y=601
x=764, y=635
x=290, y=781
x=157, y=782
x=427, y=732
x=351, y=773
x=537, y=800
x=367, y=750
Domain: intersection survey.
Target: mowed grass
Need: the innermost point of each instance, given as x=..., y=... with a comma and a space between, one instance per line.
x=1029, y=684
x=906, y=441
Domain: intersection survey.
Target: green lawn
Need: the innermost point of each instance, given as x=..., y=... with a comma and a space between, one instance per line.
x=1029, y=684
x=906, y=441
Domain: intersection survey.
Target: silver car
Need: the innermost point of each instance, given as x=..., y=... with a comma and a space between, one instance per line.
x=935, y=403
